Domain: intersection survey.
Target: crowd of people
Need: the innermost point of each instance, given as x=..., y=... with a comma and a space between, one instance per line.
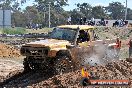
x=93, y=22
x=34, y=26
x=85, y=21
x=120, y=23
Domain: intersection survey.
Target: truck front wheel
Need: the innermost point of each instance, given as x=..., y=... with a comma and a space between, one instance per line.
x=26, y=65
x=63, y=64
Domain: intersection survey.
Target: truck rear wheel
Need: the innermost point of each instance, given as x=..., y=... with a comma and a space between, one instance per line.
x=63, y=64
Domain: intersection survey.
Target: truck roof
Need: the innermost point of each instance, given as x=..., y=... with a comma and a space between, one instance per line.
x=81, y=27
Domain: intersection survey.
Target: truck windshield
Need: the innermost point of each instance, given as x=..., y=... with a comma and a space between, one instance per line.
x=63, y=34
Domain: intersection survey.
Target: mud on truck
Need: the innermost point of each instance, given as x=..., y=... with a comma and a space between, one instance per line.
x=67, y=48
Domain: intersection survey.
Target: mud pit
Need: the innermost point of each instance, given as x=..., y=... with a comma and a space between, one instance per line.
x=114, y=70
x=120, y=70
x=11, y=73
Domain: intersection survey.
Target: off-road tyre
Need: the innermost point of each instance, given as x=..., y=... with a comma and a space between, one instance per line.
x=63, y=64
x=29, y=65
x=26, y=65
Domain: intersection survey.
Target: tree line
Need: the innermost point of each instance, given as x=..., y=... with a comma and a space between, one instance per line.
x=39, y=12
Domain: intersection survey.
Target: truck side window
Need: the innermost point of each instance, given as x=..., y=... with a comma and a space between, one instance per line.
x=83, y=36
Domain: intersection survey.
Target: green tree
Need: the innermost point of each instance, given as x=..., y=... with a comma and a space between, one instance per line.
x=116, y=10
x=57, y=12
x=76, y=15
x=11, y=4
x=53, y=2
x=98, y=12
x=85, y=8
x=16, y=14
x=129, y=14
x=32, y=15
x=19, y=19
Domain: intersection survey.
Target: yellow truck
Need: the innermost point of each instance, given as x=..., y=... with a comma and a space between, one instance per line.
x=67, y=48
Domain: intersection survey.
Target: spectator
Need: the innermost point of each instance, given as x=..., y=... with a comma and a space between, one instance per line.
x=36, y=26
x=130, y=48
x=118, y=47
x=92, y=21
x=116, y=23
x=81, y=21
x=40, y=26
x=69, y=20
x=33, y=26
x=84, y=20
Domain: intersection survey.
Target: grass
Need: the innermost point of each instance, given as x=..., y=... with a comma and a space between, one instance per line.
x=19, y=30
x=44, y=30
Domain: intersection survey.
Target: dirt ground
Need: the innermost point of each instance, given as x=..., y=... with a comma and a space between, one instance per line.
x=120, y=70
x=12, y=75
x=115, y=70
x=9, y=68
x=7, y=51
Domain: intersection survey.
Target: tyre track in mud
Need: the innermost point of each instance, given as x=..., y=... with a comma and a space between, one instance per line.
x=15, y=78
x=124, y=68
x=120, y=68
x=25, y=79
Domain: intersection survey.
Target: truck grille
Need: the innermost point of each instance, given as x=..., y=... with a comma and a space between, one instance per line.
x=34, y=51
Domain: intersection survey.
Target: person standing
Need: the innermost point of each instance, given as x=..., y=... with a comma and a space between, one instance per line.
x=84, y=20
x=92, y=21
x=130, y=48
x=81, y=21
x=69, y=20
x=118, y=47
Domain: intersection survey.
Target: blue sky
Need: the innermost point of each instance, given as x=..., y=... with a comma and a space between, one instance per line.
x=91, y=2
x=95, y=2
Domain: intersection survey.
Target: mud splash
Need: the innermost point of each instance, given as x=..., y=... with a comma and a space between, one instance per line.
x=101, y=55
